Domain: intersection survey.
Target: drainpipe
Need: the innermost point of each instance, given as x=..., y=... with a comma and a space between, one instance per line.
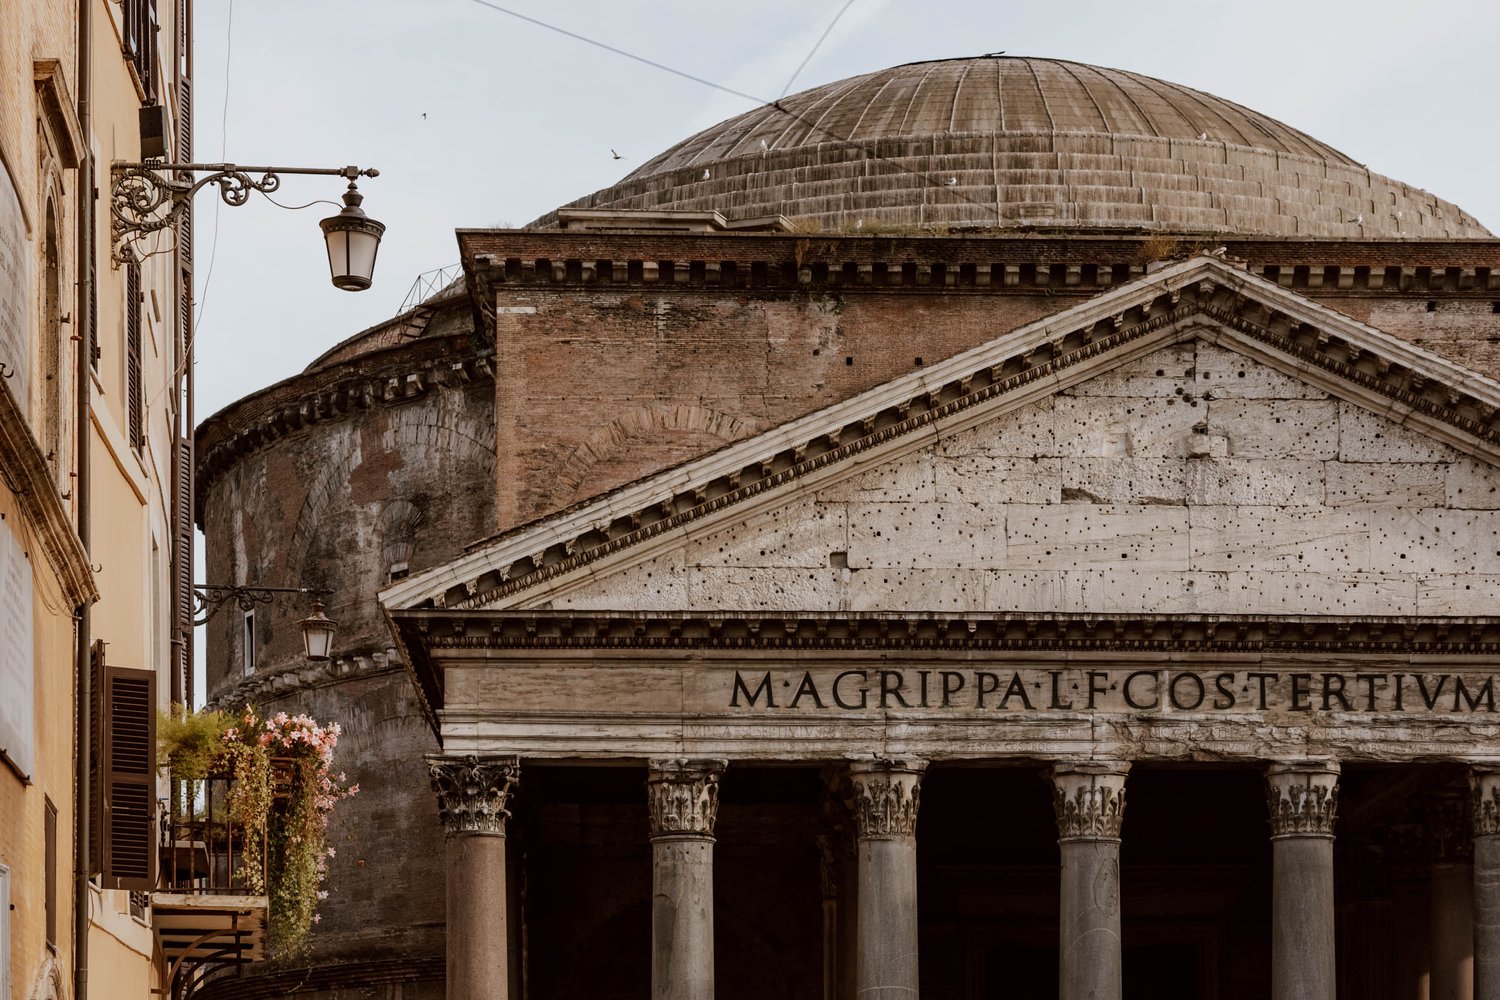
x=85, y=329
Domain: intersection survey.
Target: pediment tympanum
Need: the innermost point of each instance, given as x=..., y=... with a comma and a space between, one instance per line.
x=1200, y=442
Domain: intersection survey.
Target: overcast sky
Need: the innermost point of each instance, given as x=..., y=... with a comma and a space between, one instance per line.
x=475, y=118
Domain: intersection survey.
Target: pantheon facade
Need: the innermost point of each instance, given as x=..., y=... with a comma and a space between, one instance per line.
x=988, y=528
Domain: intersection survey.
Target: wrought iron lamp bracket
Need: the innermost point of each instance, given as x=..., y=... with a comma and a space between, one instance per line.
x=151, y=196
x=209, y=600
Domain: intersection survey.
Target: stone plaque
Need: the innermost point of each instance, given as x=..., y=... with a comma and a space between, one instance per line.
x=15, y=302
x=17, y=652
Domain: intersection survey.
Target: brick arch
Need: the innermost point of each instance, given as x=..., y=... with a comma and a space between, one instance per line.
x=577, y=476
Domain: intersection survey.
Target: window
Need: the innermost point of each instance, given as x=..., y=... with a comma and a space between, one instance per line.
x=52, y=344
x=49, y=904
x=249, y=643
x=139, y=42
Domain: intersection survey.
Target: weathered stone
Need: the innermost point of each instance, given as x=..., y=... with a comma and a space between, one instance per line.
x=886, y=795
x=1303, y=799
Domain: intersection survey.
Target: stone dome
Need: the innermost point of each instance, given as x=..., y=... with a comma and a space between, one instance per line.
x=1005, y=142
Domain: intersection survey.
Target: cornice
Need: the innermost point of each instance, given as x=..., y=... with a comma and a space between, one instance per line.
x=30, y=479
x=950, y=631
x=271, y=683
x=389, y=378
x=1079, y=264
x=1288, y=331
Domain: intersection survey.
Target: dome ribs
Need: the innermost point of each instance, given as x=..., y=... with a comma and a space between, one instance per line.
x=1041, y=96
x=1150, y=126
x=1047, y=144
x=1079, y=81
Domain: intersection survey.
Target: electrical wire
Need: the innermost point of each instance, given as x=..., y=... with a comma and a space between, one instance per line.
x=816, y=46
x=810, y=124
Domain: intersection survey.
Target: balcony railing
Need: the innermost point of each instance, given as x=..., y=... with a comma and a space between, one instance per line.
x=207, y=914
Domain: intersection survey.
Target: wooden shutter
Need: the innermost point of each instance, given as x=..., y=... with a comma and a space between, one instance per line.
x=134, y=401
x=93, y=303
x=129, y=779
x=96, y=756
x=49, y=865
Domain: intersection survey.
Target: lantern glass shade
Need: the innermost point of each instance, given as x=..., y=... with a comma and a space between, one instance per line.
x=353, y=240
x=317, y=633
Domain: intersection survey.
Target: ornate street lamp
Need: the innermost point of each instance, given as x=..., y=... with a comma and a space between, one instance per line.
x=353, y=239
x=317, y=633
x=149, y=197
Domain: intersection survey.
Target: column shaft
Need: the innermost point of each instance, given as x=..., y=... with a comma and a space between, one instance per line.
x=1484, y=788
x=1303, y=799
x=1090, y=804
x=684, y=803
x=472, y=795
x=1487, y=917
x=682, y=918
x=886, y=795
x=477, y=935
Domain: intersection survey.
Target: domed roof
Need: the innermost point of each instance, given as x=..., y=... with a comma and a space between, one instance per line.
x=1005, y=142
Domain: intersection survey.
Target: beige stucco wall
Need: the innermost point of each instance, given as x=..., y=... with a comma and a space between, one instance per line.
x=129, y=498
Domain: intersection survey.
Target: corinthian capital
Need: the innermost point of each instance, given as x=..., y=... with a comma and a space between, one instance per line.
x=1303, y=798
x=1089, y=800
x=886, y=794
x=472, y=791
x=683, y=796
x=1484, y=789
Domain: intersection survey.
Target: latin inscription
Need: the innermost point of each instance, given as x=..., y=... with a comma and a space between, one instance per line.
x=1074, y=690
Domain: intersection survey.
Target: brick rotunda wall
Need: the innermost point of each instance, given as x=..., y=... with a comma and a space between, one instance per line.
x=341, y=478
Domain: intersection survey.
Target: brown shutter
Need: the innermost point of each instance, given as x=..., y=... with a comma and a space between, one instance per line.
x=93, y=288
x=129, y=779
x=133, y=391
x=97, y=673
x=49, y=864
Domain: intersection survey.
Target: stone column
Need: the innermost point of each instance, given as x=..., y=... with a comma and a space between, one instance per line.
x=683, y=796
x=472, y=792
x=1090, y=804
x=1452, y=901
x=1303, y=799
x=1484, y=788
x=886, y=793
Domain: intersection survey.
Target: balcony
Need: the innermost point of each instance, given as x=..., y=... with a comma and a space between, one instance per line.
x=210, y=913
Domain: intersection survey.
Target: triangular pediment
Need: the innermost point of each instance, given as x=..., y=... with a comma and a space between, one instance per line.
x=1198, y=441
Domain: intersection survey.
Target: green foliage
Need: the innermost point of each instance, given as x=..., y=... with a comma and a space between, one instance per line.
x=191, y=744
x=281, y=792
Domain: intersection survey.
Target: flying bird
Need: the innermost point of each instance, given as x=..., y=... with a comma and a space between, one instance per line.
x=616, y=155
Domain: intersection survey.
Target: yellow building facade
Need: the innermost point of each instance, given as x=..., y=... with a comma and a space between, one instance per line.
x=93, y=346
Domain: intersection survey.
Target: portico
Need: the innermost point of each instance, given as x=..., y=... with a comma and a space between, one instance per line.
x=1170, y=541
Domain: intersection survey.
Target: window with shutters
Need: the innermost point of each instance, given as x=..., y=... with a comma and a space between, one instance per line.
x=127, y=831
x=138, y=39
x=134, y=401
x=49, y=853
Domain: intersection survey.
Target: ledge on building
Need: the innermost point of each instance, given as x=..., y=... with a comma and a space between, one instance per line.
x=667, y=221
x=209, y=928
